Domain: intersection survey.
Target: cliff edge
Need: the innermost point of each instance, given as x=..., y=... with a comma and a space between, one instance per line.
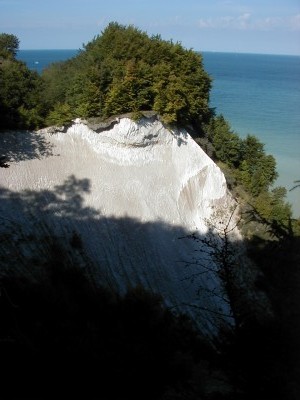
x=130, y=194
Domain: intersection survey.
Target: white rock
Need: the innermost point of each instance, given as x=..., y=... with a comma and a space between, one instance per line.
x=131, y=193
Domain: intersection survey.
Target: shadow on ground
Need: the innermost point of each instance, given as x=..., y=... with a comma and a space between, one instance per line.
x=76, y=319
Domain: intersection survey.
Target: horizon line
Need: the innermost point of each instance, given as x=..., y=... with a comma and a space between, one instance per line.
x=197, y=51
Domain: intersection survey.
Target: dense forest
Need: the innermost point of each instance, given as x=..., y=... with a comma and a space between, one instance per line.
x=123, y=70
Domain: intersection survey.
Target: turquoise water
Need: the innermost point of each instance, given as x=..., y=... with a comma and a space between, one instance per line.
x=258, y=94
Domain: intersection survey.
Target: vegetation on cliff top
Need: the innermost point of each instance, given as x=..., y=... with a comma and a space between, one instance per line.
x=123, y=70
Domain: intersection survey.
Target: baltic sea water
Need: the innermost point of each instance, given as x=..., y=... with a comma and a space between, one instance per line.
x=37, y=60
x=258, y=94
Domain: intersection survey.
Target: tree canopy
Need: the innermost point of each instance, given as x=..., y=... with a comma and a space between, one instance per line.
x=21, y=103
x=9, y=45
x=124, y=70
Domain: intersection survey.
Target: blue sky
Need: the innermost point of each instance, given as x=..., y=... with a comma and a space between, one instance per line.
x=252, y=26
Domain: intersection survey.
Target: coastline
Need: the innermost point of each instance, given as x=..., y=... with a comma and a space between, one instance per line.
x=250, y=98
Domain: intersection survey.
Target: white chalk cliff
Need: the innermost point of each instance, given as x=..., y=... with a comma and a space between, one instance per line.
x=132, y=193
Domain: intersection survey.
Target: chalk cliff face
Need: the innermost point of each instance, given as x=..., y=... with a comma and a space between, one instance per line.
x=131, y=194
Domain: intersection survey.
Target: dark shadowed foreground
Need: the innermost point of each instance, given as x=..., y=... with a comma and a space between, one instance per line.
x=63, y=334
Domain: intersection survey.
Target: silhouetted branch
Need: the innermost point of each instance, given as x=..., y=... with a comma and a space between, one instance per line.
x=296, y=186
x=196, y=306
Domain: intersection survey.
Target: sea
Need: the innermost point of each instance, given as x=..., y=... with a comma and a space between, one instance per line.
x=258, y=94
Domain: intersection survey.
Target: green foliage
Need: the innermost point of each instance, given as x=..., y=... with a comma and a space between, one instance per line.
x=257, y=170
x=253, y=150
x=20, y=97
x=60, y=115
x=124, y=70
x=57, y=81
x=281, y=210
x=169, y=96
x=273, y=211
x=296, y=227
x=9, y=45
x=21, y=103
x=227, y=144
x=252, y=172
x=253, y=167
x=132, y=92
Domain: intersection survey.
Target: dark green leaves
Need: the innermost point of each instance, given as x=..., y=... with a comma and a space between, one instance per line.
x=20, y=96
x=124, y=70
x=9, y=45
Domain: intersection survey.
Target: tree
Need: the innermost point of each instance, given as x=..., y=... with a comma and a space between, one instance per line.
x=124, y=70
x=253, y=151
x=271, y=210
x=9, y=45
x=132, y=92
x=257, y=170
x=227, y=144
x=295, y=186
x=60, y=115
x=20, y=96
x=170, y=99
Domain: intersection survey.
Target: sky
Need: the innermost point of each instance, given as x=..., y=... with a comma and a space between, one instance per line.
x=248, y=26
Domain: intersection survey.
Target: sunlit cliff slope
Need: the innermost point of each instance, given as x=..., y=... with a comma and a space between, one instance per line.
x=122, y=202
